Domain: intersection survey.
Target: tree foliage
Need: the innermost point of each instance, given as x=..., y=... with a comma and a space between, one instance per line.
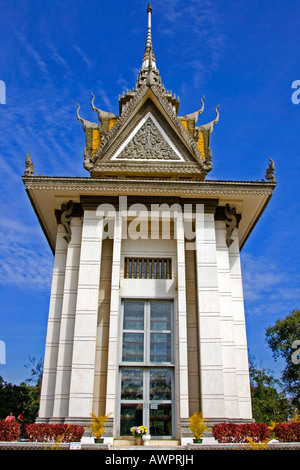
x=23, y=398
x=280, y=339
x=268, y=403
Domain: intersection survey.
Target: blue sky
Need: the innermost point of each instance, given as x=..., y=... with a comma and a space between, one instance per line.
x=242, y=55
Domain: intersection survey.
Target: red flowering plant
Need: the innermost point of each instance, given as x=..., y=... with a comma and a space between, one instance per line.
x=43, y=432
x=287, y=432
x=235, y=433
x=9, y=431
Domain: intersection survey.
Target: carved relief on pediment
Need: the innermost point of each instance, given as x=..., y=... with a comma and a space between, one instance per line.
x=148, y=143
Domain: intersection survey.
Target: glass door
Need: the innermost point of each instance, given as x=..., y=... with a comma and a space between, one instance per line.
x=146, y=399
x=160, y=402
x=132, y=400
x=147, y=367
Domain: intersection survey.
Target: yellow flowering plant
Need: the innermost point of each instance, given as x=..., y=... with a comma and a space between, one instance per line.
x=197, y=425
x=138, y=431
x=97, y=425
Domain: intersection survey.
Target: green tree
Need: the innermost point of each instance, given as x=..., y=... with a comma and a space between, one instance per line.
x=12, y=398
x=23, y=398
x=280, y=339
x=33, y=384
x=268, y=402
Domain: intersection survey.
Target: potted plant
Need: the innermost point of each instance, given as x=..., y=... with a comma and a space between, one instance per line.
x=97, y=426
x=197, y=426
x=138, y=432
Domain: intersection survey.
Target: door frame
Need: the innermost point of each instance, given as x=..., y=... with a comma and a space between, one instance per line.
x=146, y=401
x=147, y=367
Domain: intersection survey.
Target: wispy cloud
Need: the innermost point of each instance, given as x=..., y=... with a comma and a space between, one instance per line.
x=271, y=287
x=58, y=58
x=24, y=263
x=199, y=25
x=83, y=56
x=32, y=52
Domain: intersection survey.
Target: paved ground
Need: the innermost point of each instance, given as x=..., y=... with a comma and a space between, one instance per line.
x=190, y=447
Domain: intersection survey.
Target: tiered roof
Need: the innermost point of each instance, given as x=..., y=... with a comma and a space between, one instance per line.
x=148, y=96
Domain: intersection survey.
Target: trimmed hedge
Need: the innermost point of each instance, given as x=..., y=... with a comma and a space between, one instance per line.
x=42, y=432
x=234, y=433
x=9, y=431
x=287, y=432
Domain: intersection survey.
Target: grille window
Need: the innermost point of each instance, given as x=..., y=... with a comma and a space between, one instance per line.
x=148, y=268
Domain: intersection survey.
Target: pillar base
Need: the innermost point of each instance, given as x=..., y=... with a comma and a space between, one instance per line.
x=79, y=421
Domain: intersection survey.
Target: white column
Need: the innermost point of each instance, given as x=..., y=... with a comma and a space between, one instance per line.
x=64, y=361
x=85, y=330
x=227, y=325
x=182, y=322
x=211, y=362
x=53, y=329
x=243, y=380
x=114, y=318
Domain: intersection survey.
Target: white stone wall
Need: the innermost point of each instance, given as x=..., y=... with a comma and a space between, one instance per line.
x=67, y=323
x=209, y=318
x=68, y=389
x=239, y=326
x=85, y=328
x=53, y=328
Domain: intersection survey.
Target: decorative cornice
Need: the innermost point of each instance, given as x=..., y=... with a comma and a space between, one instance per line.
x=169, y=169
x=146, y=186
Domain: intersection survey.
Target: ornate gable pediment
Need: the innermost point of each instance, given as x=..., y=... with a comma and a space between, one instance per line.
x=148, y=142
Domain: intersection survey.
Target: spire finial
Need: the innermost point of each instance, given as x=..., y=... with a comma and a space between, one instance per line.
x=149, y=32
x=149, y=46
x=149, y=73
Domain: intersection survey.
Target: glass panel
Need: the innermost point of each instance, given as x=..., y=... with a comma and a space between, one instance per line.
x=160, y=347
x=160, y=384
x=160, y=419
x=133, y=347
x=133, y=316
x=132, y=384
x=160, y=316
x=131, y=415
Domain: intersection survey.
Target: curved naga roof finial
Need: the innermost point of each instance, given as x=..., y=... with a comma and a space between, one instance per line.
x=194, y=116
x=102, y=114
x=210, y=125
x=218, y=115
x=85, y=124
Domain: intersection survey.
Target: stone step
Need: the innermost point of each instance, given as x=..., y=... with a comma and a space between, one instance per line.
x=147, y=448
x=152, y=443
